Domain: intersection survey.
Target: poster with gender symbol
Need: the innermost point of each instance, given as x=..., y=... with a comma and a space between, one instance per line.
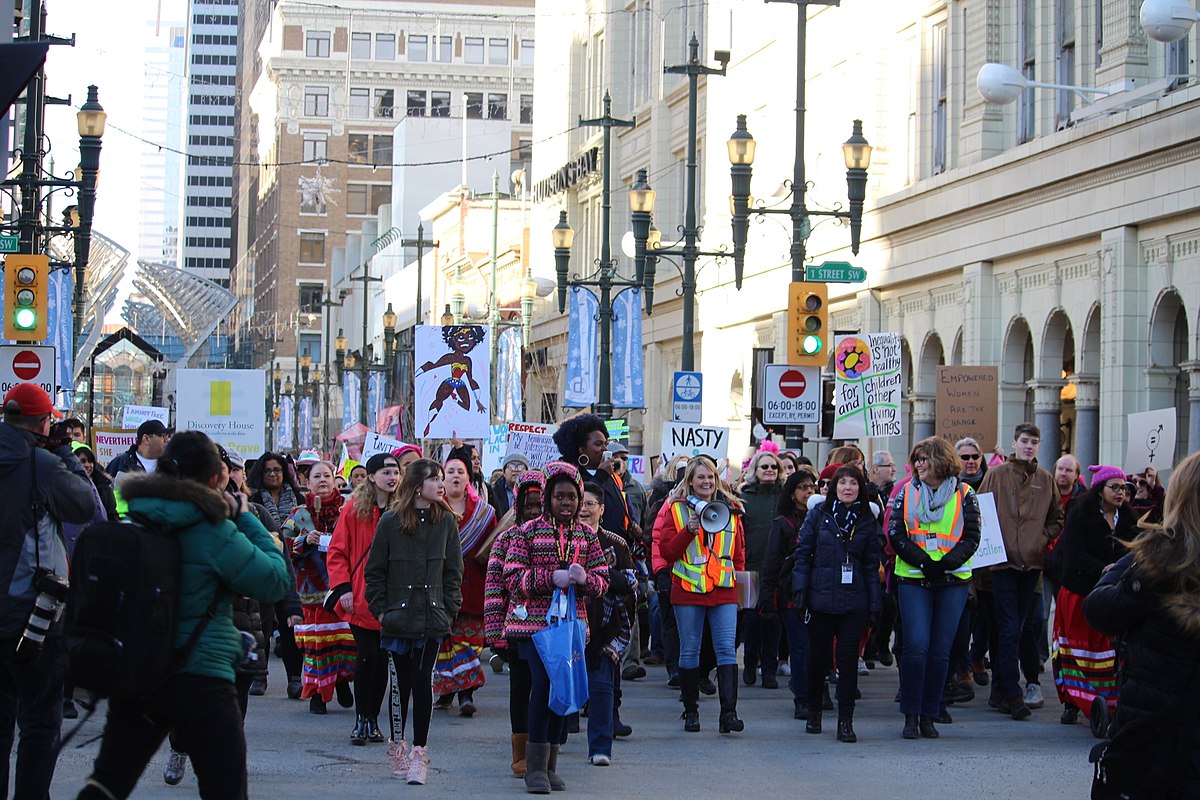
x=868, y=385
x=452, y=385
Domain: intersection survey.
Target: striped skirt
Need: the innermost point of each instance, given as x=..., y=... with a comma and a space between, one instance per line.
x=457, y=668
x=1085, y=663
x=329, y=652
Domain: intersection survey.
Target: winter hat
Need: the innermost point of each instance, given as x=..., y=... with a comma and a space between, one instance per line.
x=1102, y=473
x=378, y=462
x=400, y=451
x=557, y=471
x=530, y=480
x=828, y=473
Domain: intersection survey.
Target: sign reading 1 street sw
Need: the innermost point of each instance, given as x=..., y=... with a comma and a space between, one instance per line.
x=836, y=272
x=686, y=397
x=792, y=395
x=26, y=364
x=9, y=243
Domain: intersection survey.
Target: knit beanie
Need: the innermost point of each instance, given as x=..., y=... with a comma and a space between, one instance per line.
x=1102, y=473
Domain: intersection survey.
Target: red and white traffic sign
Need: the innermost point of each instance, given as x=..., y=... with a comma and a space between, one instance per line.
x=792, y=395
x=27, y=364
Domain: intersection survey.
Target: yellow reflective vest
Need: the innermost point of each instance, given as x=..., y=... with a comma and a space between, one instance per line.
x=704, y=567
x=935, y=538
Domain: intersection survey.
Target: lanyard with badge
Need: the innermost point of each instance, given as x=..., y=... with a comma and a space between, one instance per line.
x=847, y=566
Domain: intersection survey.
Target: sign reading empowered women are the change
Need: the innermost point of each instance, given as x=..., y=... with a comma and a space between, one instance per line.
x=868, y=387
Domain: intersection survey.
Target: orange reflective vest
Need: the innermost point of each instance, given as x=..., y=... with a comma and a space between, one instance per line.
x=935, y=538
x=704, y=566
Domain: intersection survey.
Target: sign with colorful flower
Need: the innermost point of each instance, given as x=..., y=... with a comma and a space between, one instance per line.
x=868, y=386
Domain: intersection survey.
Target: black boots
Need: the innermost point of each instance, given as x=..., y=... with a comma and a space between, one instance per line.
x=845, y=731
x=689, y=693
x=359, y=735
x=814, y=719
x=727, y=687
x=911, y=729
x=373, y=733
x=927, y=729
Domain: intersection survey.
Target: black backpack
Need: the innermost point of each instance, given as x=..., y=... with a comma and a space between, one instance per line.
x=122, y=608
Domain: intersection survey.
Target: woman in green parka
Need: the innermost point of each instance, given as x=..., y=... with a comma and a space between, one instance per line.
x=225, y=552
x=414, y=578
x=759, y=628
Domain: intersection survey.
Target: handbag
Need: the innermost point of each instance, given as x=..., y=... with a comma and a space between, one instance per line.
x=560, y=645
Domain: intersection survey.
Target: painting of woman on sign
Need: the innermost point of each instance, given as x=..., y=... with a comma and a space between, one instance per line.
x=451, y=373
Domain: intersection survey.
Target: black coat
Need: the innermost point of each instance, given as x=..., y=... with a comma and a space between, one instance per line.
x=785, y=531
x=823, y=551
x=1089, y=545
x=1161, y=635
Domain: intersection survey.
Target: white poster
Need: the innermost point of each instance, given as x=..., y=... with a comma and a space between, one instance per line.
x=991, y=541
x=636, y=465
x=535, y=441
x=868, y=384
x=694, y=440
x=136, y=415
x=1151, y=441
x=227, y=404
x=452, y=383
x=111, y=443
x=495, y=448
x=377, y=443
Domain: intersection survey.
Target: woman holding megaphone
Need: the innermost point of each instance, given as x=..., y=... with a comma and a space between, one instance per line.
x=699, y=532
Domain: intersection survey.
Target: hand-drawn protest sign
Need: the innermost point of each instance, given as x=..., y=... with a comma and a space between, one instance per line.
x=867, y=391
x=967, y=404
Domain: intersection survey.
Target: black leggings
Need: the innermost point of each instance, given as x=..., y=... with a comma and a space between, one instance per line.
x=414, y=671
x=519, y=685
x=822, y=630
x=370, y=672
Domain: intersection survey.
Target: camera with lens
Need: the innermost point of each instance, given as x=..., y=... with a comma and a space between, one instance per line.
x=47, y=608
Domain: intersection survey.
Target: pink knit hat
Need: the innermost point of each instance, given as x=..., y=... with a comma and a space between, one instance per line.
x=1102, y=473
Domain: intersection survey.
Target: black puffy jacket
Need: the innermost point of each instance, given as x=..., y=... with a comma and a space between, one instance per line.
x=823, y=551
x=1089, y=545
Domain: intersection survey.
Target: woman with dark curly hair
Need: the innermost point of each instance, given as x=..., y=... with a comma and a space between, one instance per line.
x=583, y=442
x=461, y=339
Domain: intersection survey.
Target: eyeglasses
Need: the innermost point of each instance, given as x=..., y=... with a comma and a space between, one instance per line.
x=1116, y=487
x=921, y=460
x=273, y=471
x=970, y=456
x=589, y=504
x=805, y=487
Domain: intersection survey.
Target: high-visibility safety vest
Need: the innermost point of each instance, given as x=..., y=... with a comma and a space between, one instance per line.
x=704, y=567
x=935, y=538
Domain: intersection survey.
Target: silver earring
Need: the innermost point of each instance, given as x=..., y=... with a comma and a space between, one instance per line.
x=584, y=460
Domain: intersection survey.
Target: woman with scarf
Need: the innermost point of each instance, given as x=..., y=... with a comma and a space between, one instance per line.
x=836, y=580
x=1099, y=526
x=324, y=639
x=458, y=668
x=759, y=495
x=934, y=529
x=554, y=551
x=271, y=483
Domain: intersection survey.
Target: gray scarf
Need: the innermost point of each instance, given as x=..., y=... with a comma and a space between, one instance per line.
x=931, y=502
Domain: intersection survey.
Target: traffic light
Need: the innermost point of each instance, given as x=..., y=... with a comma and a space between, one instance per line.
x=808, y=324
x=26, y=291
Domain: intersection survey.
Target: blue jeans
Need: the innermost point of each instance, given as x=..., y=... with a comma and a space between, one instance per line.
x=601, y=678
x=930, y=619
x=1012, y=596
x=797, y=637
x=722, y=621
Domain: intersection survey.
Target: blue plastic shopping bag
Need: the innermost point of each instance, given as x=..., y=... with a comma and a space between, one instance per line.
x=560, y=645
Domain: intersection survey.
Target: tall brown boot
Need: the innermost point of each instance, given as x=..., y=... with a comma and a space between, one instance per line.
x=518, y=754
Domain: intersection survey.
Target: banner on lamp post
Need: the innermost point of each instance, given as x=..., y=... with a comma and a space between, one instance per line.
x=306, y=438
x=287, y=408
x=581, y=384
x=350, y=399
x=509, y=398
x=628, y=380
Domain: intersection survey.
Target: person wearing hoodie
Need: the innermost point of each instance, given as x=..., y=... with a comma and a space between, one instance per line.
x=225, y=552
x=759, y=495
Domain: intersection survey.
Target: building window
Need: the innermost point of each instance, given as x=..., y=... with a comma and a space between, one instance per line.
x=356, y=198
x=385, y=103
x=316, y=44
x=310, y=344
x=526, y=109
x=525, y=150
x=498, y=51
x=473, y=50
x=385, y=46
x=474, y=102
x=360, y=46
x=367, y=198
x=311, y=295
x=497, y=106
x=312, y=248
x=1176, y=61
x=439, y=104
x=527, y=52
x=316, y=101
x=381, y=195
x=1027, y=51
x=418, y=48
x=1064, y=102
x=360, y=103
x=358, y=148
x=940, y=49
x=416, y=103
x=381, y=149
x=444, y=49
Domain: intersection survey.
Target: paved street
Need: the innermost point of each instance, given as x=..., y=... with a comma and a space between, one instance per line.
x=295, y=754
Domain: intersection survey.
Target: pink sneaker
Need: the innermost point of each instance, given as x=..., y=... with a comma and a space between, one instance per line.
x=418, y=767
x=398, y=754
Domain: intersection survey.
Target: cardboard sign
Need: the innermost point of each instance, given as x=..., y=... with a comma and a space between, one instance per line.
x=377, y=443
x=136, y=415
x=535, y=441
x=694, y=440
x=108, y=443
x=991, y=541
x=1151, y=441
x=868, y=386
x=968, y=404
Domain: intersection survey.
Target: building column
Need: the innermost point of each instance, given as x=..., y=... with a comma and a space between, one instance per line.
x=924, y=417
x=1192, y=370
x=1087, y=419
x=1047, y=415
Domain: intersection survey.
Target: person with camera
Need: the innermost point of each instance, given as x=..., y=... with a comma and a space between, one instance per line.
x=45, y=486
x=225, y=552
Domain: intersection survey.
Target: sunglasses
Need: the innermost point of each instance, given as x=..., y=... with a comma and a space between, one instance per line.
x=805, y=487
x=974, y=457
x=768, y=466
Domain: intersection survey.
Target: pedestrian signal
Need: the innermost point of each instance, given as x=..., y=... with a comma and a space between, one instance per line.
x=26, y=290
x=808, y=324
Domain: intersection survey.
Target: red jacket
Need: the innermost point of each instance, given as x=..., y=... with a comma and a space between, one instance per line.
x=669, y=546
x=347, y=561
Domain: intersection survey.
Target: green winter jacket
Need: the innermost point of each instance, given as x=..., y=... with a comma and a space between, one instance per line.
x=236, y=557
x=414, y=580
x=760, y=502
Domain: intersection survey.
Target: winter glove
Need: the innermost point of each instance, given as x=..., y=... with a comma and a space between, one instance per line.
x=872, y=619
x=577, y=574
x=799, y=602
x=662, y=582
x=935, y=571
x=561, y=578
x=766, y=609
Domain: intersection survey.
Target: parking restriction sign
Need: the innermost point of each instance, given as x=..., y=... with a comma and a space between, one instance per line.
x=792, y=395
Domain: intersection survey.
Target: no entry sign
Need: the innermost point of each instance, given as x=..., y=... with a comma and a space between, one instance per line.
x=792, y=395
x=27, y=364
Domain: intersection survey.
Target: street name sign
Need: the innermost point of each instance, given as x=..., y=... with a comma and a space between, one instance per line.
x=27, y=364
x=9, y=244
x=792, y=395
x=836, y=272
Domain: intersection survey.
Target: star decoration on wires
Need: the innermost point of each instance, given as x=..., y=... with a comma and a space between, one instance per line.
x=316, y=192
